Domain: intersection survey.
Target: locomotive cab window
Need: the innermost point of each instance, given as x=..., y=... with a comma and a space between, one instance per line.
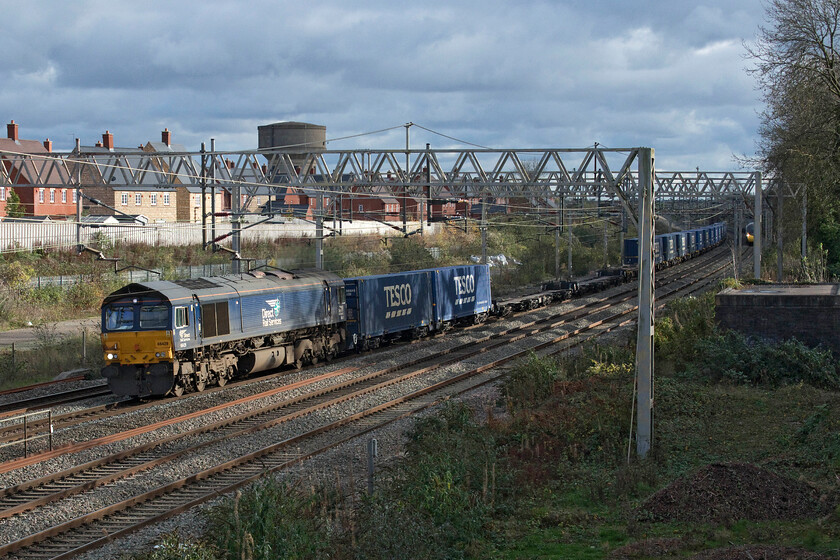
x=154, y=317
x=119, y=317
x=341, y=296
x=181, y=317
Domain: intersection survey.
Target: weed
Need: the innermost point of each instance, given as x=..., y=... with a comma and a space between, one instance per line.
x=173, y=547
x=270, y=520
x=530, y=383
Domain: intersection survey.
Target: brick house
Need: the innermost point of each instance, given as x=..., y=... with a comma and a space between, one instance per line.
x=55, y=202
x=291, y=202
x=378, y=205
x=106, y=183
x=175, y=202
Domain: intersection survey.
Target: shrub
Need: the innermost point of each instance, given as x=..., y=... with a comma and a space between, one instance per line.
x=530, y=383
x=441, y=494
x=16, y=275
x=84, y=295
x=271, y=519
x=735, y=357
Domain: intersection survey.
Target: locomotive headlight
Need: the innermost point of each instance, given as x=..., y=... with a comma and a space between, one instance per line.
x=158, y=354
x=110, y=356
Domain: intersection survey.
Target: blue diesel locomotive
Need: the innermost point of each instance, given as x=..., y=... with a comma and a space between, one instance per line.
x=165, y=337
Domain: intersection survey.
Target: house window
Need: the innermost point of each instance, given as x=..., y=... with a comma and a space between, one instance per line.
x=40, y=195
x=166, y=199
x=74, y=196
x=361, y=208
x=153, y=199
x=138, y=199
x=63, y=196
x=2, y=193
x=124, y=199
x=52, y=196
x=197, y=201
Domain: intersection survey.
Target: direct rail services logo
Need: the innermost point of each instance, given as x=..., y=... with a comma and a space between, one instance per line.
x=271, y=316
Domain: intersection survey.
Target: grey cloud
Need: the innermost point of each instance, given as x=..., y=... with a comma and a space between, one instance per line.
x=533, y=73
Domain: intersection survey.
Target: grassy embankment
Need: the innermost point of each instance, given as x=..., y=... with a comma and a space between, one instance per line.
x=21, y=304
x=549, y=477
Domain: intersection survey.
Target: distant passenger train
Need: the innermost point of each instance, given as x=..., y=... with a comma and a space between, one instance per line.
x=749, y=233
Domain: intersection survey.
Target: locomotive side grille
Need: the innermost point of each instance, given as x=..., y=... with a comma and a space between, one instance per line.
x=215, y=319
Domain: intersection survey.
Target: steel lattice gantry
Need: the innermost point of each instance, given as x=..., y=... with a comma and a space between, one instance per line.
x=537, y=176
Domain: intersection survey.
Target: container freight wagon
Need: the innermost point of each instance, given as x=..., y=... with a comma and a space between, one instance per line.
x=413, y=304
x=461, y=292
x=670, y=248
x=388, y=306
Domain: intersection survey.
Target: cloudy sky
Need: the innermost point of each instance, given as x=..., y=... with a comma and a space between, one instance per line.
x=501, y=74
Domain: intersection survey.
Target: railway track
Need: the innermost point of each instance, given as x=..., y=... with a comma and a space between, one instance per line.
x=100, y=412
x=53, y=399
x=10, y=433
x=73, y=536
x=39, y=427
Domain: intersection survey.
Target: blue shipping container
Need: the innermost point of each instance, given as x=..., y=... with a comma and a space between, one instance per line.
x=682, y=243
x=631, y=251
x=461, y=291
x=387, y=305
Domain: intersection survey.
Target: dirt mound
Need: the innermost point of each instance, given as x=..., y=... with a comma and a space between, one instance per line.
x=649, y=548
x=728, y=492
x=759, y=552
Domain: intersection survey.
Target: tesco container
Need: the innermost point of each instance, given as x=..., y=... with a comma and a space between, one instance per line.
x=387, y=306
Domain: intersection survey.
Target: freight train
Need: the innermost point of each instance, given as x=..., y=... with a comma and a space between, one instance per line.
x=171, y=337
x=672, y=248
x=163, y=337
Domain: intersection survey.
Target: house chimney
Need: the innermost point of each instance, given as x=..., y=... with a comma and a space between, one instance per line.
x=166, y=136
x=48, y=144
x=12, y=129
x=108, y=140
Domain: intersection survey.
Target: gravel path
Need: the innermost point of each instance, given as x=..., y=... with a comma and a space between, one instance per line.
x=27, y=338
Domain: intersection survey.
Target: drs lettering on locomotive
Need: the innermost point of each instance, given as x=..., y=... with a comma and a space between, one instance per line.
x=398, y=296
x=271, y=316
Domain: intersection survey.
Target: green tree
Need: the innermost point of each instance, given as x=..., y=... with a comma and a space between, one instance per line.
x=14, y=208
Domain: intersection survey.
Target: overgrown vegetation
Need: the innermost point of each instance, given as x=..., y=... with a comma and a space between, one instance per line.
x=546, y=473
x=23, y=301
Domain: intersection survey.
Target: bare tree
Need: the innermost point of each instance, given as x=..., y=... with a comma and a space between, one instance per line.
x=796, y=61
